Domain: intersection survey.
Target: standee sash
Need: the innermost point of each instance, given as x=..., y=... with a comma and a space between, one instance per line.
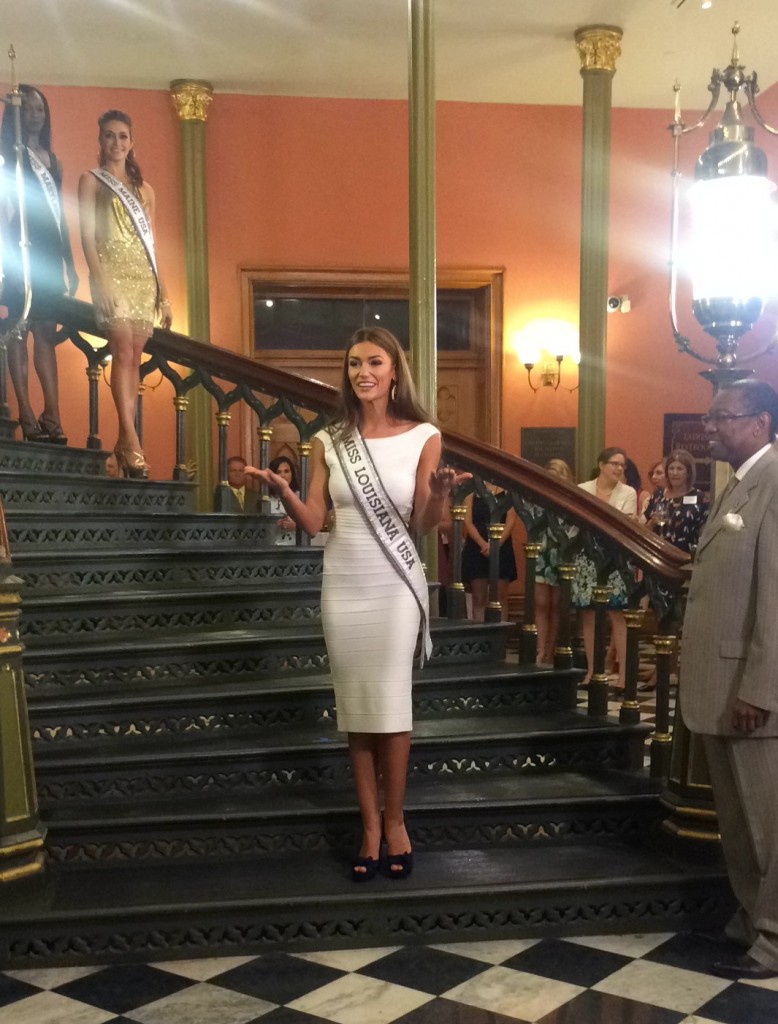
x=136, y=213
x=47, y=183
x=385, y=523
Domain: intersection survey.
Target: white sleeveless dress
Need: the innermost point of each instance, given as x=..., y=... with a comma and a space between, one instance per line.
x=370, y=616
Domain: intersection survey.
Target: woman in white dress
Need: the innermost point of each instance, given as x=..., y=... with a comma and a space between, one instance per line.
x=370, y=613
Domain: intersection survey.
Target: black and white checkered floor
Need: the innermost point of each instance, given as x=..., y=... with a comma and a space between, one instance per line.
x=627, y=979
x=616, y=979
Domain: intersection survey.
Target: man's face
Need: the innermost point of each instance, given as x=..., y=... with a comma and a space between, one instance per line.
x=734, y=433
x=236, y=474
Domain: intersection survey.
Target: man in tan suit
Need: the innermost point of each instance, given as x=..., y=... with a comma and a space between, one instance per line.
x=729, y=674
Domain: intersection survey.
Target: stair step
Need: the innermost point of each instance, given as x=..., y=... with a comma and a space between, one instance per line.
x=62, y=533
x=228, y=655
x=254, y=706
x=122, y=615
x=298, y=902
x=105, y=572
x=510, y=745
x=445, y=812
x=22, y=489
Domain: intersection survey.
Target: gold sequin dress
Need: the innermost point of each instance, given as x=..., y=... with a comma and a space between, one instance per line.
x=124, y=262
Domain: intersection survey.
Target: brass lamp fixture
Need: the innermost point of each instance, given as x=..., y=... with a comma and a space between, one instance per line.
x=732, y=251
x=544, y=345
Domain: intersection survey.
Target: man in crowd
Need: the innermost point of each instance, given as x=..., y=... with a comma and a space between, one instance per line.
x=729, y=675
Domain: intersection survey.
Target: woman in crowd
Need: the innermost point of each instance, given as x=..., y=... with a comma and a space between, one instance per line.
x=284, y=467
x=379, y=464
x=117, y=233
x=609, y=487
x=475, y=556
x=50, y=257
x=656, y=481
x=547, y=579
x=678, y=511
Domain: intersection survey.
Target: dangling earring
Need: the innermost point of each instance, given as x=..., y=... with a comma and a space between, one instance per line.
x=393, y=391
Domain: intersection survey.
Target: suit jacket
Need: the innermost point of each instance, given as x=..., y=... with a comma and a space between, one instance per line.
x=250, y=503
x=730, y=630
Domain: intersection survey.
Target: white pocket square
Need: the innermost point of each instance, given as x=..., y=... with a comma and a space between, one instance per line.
x=733, y=521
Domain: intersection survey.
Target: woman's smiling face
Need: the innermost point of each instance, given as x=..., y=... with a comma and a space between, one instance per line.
x=370, y=371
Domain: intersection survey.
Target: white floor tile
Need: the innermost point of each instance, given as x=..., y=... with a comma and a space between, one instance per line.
x=517, y=994
x=52, y=1008
x=670, y=987
x=354, y=999
x=626, y=945
x=496, y=952
x=52, y=977
x=203, y=970
x=203, y=1004
x=348, y=959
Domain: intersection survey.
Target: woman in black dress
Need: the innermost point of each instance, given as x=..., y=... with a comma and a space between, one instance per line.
x=50, y=257
x=475, y=556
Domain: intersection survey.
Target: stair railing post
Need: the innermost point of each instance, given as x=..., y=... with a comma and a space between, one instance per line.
x=662, y=739
x=629, y=713
x=457, y=604
x=180, y=404
x=528, y=650
x=221, y=496
x=563, y=652
x=304, y=448
x=5, y=412
x=494, y=608
x=264, y=436
x=139, y=413
x=598, y=684
x=93, y=373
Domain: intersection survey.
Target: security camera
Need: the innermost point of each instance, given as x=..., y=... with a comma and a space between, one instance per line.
x=614, y=303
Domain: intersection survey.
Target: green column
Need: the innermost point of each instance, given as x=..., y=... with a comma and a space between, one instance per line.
x=191, y=100
x=422, y=306
x=598, y=46
x=421, y=96
x=21, y=832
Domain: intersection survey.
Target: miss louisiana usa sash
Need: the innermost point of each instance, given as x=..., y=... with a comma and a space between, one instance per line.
x=47, y=183
x=385, y=523
x=136, y=213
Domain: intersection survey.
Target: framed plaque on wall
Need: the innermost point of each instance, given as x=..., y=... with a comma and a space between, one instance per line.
x=540, y=444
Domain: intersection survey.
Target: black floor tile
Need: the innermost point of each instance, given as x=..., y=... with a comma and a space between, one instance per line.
x=567, y=961
x=12, y=990
x=691, y=952
x=425, y=969
x=285, y=1015
x=742, y=1004
x=276, y=977
x=446, y=1011
x=601, y=1008
x=124, y=987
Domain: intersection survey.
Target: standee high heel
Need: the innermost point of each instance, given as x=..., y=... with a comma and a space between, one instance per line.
x=32, y=430
x=53, y=431
x=132, y=464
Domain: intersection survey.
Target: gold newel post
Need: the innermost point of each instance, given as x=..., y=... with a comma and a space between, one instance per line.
x=21, y=831
x=191, y=100
x=599, y=46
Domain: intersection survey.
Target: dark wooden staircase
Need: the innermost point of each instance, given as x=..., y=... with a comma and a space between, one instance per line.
x=197, y=794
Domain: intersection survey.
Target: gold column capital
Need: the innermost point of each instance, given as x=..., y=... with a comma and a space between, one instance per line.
x=599, y=47
x=191, y=98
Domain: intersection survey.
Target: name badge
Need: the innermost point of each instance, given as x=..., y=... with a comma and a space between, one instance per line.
x=690, y=499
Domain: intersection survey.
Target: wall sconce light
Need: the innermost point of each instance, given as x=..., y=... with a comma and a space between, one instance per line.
x=732, y=251
x=544, y=345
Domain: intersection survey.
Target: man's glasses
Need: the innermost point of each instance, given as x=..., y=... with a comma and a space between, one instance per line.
x=724, y=417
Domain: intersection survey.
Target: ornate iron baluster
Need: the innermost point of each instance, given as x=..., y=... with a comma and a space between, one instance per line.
x=661, y=740
x=529, y=630
x=598, y=684
x=629, y=713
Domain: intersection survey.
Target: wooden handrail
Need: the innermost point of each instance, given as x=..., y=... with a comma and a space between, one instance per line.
x=645, y=549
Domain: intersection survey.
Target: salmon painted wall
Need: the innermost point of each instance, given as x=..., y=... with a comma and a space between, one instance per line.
x=296, y=182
